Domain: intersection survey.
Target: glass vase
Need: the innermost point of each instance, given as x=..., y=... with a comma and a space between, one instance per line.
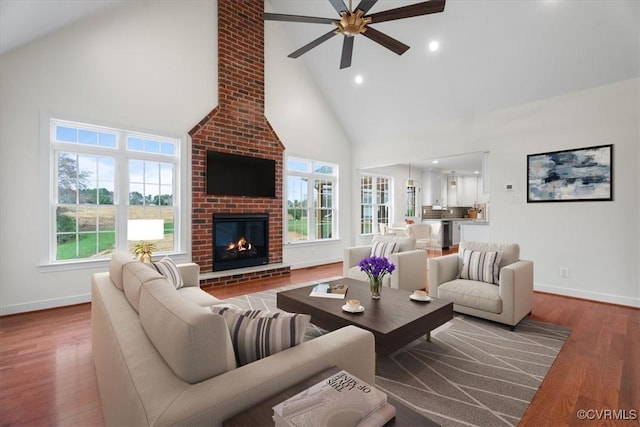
x=375, y=284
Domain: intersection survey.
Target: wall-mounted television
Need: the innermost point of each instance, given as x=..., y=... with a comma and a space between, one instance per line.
x=236, y=175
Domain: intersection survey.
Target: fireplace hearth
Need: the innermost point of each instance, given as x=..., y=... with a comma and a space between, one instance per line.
x=240, y=240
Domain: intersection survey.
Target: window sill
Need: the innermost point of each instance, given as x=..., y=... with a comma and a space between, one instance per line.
x=313, y=242
x=102, y=263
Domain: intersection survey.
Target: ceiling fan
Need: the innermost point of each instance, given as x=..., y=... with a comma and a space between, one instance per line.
x=354, y=22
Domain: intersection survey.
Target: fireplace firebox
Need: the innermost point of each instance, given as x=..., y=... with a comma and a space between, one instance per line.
x=240, y=240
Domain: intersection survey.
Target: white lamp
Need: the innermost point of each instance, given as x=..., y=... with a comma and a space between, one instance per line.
x=145, y=230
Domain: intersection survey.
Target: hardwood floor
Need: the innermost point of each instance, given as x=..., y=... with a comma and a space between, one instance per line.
x=47, y=376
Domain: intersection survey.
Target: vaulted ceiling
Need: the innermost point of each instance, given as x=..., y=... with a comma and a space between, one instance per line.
x=493, y=54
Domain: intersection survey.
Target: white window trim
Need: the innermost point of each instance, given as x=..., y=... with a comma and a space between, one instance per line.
x=182, y=192
x=375, y=176
x=335, y=177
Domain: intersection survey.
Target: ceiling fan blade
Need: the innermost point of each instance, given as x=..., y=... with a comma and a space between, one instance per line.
x=424, y=8
x=366, y=5
x=296, y=18
x=339, y=6
x=306, y=48
x=386, y=41
x=347, y=52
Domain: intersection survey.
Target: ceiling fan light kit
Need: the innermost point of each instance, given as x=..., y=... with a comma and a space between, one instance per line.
x=353, y=22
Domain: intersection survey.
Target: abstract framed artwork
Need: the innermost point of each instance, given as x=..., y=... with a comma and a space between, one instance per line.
x=582, y=174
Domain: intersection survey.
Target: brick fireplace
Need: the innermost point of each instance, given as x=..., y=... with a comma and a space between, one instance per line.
x=237, y=126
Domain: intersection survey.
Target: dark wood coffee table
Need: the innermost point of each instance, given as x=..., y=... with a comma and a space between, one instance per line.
x=395, y=320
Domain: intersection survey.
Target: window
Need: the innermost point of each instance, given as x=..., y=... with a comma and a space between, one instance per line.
x=410, y=198
x=374, y=202
x=102, y=178
x=311, y=200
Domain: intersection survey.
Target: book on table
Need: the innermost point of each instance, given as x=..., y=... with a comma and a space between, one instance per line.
x=379, y=417
x=329, y=290
x=340, y=400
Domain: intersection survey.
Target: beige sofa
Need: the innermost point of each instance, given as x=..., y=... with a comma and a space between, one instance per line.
x=507, y=302
x=411, y=263
x=163, y=358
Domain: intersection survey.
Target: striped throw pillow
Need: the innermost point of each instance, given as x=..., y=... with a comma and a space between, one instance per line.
x=481, y=266
x=170, y=270
x=383, y=249
x=256, y=334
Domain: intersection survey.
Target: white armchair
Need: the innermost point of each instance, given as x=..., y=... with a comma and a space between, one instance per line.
x=411, y=263
x=422, y=234
x=508, y=301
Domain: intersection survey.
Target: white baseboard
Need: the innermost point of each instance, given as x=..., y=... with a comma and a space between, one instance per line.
x=314, y=263
x=44, y=304
x=594, y=296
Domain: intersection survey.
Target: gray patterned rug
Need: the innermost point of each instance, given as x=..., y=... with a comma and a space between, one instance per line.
x=472, y=373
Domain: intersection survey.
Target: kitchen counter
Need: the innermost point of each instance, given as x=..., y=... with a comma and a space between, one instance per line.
x=462, y=220
x=470, y=231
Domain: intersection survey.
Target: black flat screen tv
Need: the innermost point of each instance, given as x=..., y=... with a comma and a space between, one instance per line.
x=244, y=176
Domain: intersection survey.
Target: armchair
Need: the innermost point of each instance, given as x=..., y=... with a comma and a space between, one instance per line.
x=411, y=263
x=507, y=300
x=422, y=234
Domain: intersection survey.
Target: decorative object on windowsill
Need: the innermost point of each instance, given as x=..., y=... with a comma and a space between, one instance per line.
x=376, y=268
x=146, y=231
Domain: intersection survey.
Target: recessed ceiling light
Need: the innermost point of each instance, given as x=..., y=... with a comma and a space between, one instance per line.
x=434, y=45
x=358, y=79
x=435, y=162
x=476, y=172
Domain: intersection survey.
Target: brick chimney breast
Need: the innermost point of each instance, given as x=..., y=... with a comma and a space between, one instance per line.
x=238, y=126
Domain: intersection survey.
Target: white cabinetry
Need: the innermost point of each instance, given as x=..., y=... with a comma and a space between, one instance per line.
x=483, y=197
x=468, y=192
x=449, y=192
x=431, y=188
x=455, y=234
x=475, y=232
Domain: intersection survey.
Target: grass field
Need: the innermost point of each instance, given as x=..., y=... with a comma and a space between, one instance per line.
x=91, y=245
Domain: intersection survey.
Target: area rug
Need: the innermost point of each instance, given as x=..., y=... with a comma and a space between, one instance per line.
x=472, y=373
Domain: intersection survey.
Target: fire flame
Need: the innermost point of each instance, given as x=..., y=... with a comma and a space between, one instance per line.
x=240, y=245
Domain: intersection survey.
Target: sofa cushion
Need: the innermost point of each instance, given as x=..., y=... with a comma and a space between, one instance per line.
x=470, y=293
x=170, y=270
x=118, y=261
x=403, y=243
x=192, y=340
x=134, y=274
x=197, y=296
x=383, y=249
x=256, y=334
x=482, y=266
x=510, y=251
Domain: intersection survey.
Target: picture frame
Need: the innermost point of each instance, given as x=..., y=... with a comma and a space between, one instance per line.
x=575, y=175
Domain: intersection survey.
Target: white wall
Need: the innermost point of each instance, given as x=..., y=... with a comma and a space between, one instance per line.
x=599, y=242
x=149, y=66
x=308, y=128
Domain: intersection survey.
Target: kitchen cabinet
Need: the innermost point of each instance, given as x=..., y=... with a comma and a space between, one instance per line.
x=468, y=192
x=431, y=188
x=455, y=234
x=475, y=231
x=483, y=197
x=449, y=192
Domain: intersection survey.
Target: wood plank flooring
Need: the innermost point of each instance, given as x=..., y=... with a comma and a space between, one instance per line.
x=47, y=376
